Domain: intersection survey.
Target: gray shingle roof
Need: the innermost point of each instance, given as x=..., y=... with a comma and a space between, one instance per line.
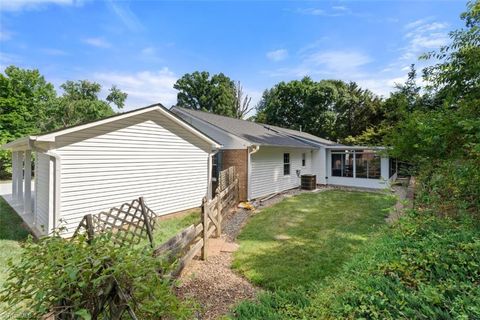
x=256, y=133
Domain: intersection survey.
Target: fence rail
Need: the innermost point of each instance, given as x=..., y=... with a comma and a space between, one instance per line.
x=134, y=221
x=190, y=241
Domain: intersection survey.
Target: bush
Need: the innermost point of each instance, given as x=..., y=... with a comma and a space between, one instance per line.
x=71, y=278
x=451, y=187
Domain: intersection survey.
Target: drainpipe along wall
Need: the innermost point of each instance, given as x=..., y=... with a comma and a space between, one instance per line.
x=251, y=150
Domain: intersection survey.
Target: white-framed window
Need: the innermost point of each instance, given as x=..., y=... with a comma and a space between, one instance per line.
x=286, y=164
x=356, y=164
x=304, y=159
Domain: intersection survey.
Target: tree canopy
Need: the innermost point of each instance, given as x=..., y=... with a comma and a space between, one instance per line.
x=200, y=91
x=30, y=105
x=331, y=109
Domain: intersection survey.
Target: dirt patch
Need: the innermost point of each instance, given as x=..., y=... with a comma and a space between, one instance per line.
x=401, y=192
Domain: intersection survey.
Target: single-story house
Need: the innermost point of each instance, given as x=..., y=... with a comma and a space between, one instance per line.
x=92, y=167
x=271, y=159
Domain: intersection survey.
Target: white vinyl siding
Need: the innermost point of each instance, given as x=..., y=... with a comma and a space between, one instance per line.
x=109, y=165
x=267, y=170
x=43, y=200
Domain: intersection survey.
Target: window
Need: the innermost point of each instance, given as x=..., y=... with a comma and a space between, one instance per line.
x=286, y=164
x=304, y=159
x=342, y=164
x=367, y=165
x=356, y=163
x=216, y=165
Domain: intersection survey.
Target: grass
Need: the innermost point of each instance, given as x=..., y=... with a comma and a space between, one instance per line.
x=165, y=229
x=12, y=233
x=304, y=239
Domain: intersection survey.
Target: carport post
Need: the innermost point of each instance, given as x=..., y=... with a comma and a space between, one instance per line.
x=14, y=174
x=27, y=205
x=20, y=176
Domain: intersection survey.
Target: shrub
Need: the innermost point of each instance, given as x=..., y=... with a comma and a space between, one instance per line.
x=71, y=278
x=451, y=187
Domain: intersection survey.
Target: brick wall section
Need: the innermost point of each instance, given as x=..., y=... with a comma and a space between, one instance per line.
x=239, y=159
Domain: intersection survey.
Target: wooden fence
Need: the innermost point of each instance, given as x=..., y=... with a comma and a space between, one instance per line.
x=189, y=242
x=134, y=221
x=129, y=223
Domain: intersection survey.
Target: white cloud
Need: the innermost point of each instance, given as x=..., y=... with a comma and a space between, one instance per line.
x=19, y=5
x=338, y=61
x=5, y=34
x=126, y=15
x=97, y=42
x=53, y=52
x=144, y=87
x=339, y=64
x=312, y=11
x=335, y=11
x=423, y=36
x=277, y=55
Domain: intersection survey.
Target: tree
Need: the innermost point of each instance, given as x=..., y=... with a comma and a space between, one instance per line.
x=200, y=91
x=331, y=109
x=444, y=141
x=29, y=105
x=24, y=100
x=242, y=102
x=80, y=103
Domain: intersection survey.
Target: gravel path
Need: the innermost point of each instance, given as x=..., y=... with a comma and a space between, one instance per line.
x=215, y=286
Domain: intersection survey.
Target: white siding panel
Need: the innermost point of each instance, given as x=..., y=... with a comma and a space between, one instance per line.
x=105, y=167
x=42, y=191
x=267, y=170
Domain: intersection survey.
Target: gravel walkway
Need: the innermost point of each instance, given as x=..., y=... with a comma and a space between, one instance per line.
x=215, y=286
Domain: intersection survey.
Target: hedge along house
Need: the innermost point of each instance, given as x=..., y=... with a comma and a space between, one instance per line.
x=271, y=159
x=85, y=169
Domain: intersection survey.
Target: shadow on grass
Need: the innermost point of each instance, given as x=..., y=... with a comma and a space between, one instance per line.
x=11, y=225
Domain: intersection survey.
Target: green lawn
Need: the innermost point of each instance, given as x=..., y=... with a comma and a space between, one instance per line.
x=165, y=229
x=305, y=238
x=11, y=234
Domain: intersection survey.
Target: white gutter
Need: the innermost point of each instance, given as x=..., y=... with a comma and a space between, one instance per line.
x=251, y=150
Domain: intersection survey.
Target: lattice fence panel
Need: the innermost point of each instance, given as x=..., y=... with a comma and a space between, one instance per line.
x=129, y=224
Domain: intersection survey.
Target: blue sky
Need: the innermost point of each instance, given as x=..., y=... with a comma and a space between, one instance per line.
x=143, y=47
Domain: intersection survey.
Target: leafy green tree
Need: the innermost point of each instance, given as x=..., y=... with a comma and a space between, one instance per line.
x=200, y=91
x=29, y=105
x=329, y=108
x=444, y=141
x=80, y=103
x=24, y=99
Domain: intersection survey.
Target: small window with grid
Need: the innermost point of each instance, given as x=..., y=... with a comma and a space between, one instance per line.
x=286, y=164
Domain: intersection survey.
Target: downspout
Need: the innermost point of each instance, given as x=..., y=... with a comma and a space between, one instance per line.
x=251, y=150
x=56, y=186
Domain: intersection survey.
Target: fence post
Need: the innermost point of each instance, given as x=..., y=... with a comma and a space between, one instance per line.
x=90, y=231
x=205, y=228
x=218, y=207
x=146, y=220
